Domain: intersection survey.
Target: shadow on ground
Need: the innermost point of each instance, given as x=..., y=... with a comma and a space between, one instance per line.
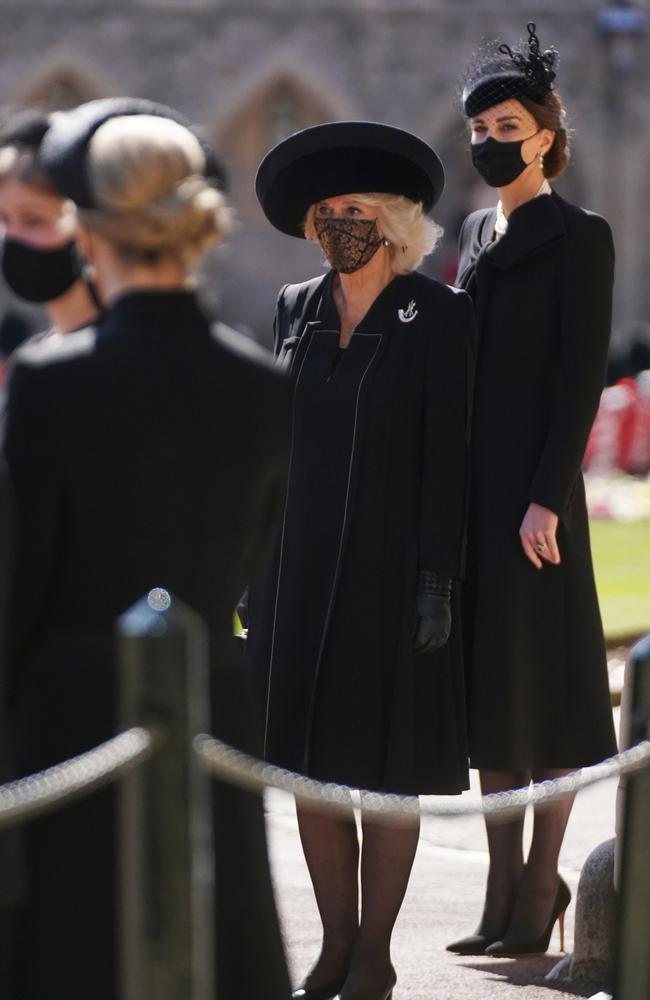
x=526, y=972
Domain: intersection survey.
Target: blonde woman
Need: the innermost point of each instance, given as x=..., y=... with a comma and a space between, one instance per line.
x=353, y=630
x=128, y=477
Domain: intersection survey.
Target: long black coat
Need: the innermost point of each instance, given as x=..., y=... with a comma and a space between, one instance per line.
x=150, y=451
x=376, y=491
x=535, y=655
x=11, y=885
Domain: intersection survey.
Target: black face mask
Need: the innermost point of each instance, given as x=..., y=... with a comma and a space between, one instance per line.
x=38, y=275
x=499, y=163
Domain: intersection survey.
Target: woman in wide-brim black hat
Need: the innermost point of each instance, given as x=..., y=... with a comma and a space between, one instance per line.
x=353, y=630
x=540, y=271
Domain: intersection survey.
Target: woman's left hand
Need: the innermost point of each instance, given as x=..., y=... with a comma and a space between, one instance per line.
x=538, y=535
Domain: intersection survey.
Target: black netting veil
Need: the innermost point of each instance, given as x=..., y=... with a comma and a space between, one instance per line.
x=499, y=73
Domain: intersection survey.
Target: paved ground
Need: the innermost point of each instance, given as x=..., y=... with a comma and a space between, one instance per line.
x=443, y=903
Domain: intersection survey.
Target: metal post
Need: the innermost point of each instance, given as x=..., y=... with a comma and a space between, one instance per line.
x=633, y=961
x=166, y=860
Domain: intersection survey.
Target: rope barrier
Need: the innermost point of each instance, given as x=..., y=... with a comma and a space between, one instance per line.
x=41, y=792
x=231, y=765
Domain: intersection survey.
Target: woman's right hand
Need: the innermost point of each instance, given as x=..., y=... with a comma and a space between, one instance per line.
x=538, y=535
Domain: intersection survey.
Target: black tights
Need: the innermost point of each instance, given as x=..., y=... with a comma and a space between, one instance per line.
x=358, y=948
x=522, y=894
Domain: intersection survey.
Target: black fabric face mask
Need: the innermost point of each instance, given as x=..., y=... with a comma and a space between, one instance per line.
x=499, y=163
x=348, y=244
x=38, y=275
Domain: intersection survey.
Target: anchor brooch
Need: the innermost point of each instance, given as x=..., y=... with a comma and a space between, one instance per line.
x=408, y=315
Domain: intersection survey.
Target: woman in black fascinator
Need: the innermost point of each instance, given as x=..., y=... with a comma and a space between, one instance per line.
x=540, y=271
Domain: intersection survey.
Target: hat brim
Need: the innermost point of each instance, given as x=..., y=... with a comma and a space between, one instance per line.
x=64, y=151
x=339, y=158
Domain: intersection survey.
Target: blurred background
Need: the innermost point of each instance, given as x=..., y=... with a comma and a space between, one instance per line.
x=253, y=71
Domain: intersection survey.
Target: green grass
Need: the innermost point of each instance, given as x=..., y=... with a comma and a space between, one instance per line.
x=622, y=563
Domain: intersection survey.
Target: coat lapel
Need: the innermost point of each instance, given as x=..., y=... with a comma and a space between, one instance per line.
x=480, y=238
x=530, y=228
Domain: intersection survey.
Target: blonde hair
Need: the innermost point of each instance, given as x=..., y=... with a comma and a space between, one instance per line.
x=412, y=235
x=154, y=202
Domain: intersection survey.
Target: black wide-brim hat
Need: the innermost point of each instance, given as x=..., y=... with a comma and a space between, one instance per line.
x=340, y=158
x=64, y=151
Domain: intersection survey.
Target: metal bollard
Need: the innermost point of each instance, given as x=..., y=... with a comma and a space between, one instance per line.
x=633, y=957
x=166, y=849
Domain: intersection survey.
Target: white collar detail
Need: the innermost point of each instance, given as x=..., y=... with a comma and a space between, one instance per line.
x=501, y=225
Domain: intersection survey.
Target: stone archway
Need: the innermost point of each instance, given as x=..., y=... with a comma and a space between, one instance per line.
x=61, y=85
x=267, y=111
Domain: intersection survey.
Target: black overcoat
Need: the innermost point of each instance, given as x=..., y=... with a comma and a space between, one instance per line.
x=150, y=451
x=376, y=491
x=11, y=883
x=535, y=655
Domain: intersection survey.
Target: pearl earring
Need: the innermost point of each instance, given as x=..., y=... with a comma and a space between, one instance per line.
x=541, y=160
x=386, y=242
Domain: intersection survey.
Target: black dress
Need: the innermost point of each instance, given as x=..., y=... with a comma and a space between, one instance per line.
x=535, y=654
x=150, y=451
x=376, y=491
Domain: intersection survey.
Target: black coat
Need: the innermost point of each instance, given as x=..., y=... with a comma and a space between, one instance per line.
x=11, y=883
x=147, y=452
x=534, y=644
x=376, y=491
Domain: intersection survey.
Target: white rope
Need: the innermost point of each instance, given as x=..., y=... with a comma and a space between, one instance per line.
x=247, y=772
x=45, y=790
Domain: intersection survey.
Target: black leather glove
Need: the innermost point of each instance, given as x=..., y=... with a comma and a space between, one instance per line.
x=433, y=610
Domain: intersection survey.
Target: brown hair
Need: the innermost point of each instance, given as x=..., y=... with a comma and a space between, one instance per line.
x=19, y=163
x=552, y=115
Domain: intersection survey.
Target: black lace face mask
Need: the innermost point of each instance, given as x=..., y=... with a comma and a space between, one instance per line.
x=348, y=244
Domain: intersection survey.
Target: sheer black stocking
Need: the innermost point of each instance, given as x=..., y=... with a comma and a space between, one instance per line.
x=387, y=856
x=331, y=847
x=539, y=882
x=506, y=856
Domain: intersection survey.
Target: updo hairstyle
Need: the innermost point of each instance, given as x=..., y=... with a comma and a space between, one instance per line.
x=551, y=114
x=147, y=177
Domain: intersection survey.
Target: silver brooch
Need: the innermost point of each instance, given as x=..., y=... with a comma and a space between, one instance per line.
x=408, y=315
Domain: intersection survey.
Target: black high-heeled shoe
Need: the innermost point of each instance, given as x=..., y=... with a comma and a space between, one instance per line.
x=326, y=992
x=387, y=993
x=512, y=945
x=474, y=944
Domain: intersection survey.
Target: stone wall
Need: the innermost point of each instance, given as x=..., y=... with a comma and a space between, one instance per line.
x=254, y=70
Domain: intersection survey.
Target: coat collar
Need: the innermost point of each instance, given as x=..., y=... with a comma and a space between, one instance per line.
x=530, y=227
x=383, y=312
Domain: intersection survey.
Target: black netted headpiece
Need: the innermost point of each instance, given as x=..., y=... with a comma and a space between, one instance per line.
x=499, y=73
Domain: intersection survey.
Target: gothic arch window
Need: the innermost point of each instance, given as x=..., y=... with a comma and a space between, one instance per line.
x=60, y=88
x=275, y=110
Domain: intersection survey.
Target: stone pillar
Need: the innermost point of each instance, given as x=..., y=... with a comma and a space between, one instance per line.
x=591, y=966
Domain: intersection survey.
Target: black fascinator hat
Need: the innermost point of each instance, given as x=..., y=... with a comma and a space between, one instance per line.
x=64, y=151
x=339, y=158
x=25, y=129
x=500, y=73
